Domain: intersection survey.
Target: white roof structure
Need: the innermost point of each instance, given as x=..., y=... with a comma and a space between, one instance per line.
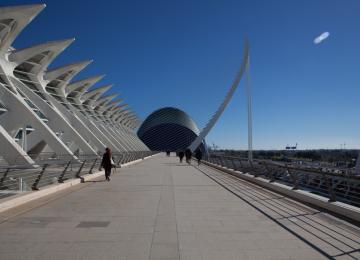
x=65, y=117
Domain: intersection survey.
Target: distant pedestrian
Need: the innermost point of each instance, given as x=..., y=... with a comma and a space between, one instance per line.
x=167, y=153
x=198, y=156
x=188, y=155
x=181, y=156
x=107, y=163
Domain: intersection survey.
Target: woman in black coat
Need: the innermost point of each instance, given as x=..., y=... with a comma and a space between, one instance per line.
x=106, y=163
x=181, y=156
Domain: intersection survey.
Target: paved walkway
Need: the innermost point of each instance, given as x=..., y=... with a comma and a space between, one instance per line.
x=158, y=209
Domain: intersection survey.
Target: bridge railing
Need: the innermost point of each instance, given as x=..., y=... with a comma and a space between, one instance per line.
x=335, y=187
x=50, y=168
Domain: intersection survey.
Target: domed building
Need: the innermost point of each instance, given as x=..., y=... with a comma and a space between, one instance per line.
x=169, y=129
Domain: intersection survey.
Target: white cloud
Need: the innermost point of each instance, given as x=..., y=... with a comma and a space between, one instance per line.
x=321, y=37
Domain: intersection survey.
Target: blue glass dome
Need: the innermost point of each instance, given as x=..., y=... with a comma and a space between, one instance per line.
x=168, y=129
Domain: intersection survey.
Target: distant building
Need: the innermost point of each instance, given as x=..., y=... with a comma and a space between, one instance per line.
x=291, y=147
x=168, y=129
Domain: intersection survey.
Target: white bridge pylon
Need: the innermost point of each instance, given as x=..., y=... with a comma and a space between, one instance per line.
x=243, y=67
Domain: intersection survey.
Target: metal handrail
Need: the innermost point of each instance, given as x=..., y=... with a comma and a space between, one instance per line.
x=335, y=187
x=56, y=170
x=260, y=161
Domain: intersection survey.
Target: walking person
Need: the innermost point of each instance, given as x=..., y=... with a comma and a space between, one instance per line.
x=181, y=156
x=198, y=156
x=188, y=155
x=106, y=163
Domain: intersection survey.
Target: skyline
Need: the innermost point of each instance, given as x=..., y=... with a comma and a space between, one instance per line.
x=175, y=55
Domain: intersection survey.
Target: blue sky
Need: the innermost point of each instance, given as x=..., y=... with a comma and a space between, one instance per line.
x=186, y=53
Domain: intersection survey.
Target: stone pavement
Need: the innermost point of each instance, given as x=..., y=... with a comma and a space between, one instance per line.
x=157, y=209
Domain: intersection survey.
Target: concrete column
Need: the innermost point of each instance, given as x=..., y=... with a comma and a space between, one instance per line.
x=14, y=154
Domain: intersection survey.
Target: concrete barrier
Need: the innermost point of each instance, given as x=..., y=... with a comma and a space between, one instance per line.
x=338, y=208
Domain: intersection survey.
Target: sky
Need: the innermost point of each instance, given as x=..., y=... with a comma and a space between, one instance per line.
x=304, y=62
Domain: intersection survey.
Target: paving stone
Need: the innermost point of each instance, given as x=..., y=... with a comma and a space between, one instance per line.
x=93, y=224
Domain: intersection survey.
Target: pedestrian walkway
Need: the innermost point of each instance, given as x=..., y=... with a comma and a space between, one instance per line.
x=161, y=209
